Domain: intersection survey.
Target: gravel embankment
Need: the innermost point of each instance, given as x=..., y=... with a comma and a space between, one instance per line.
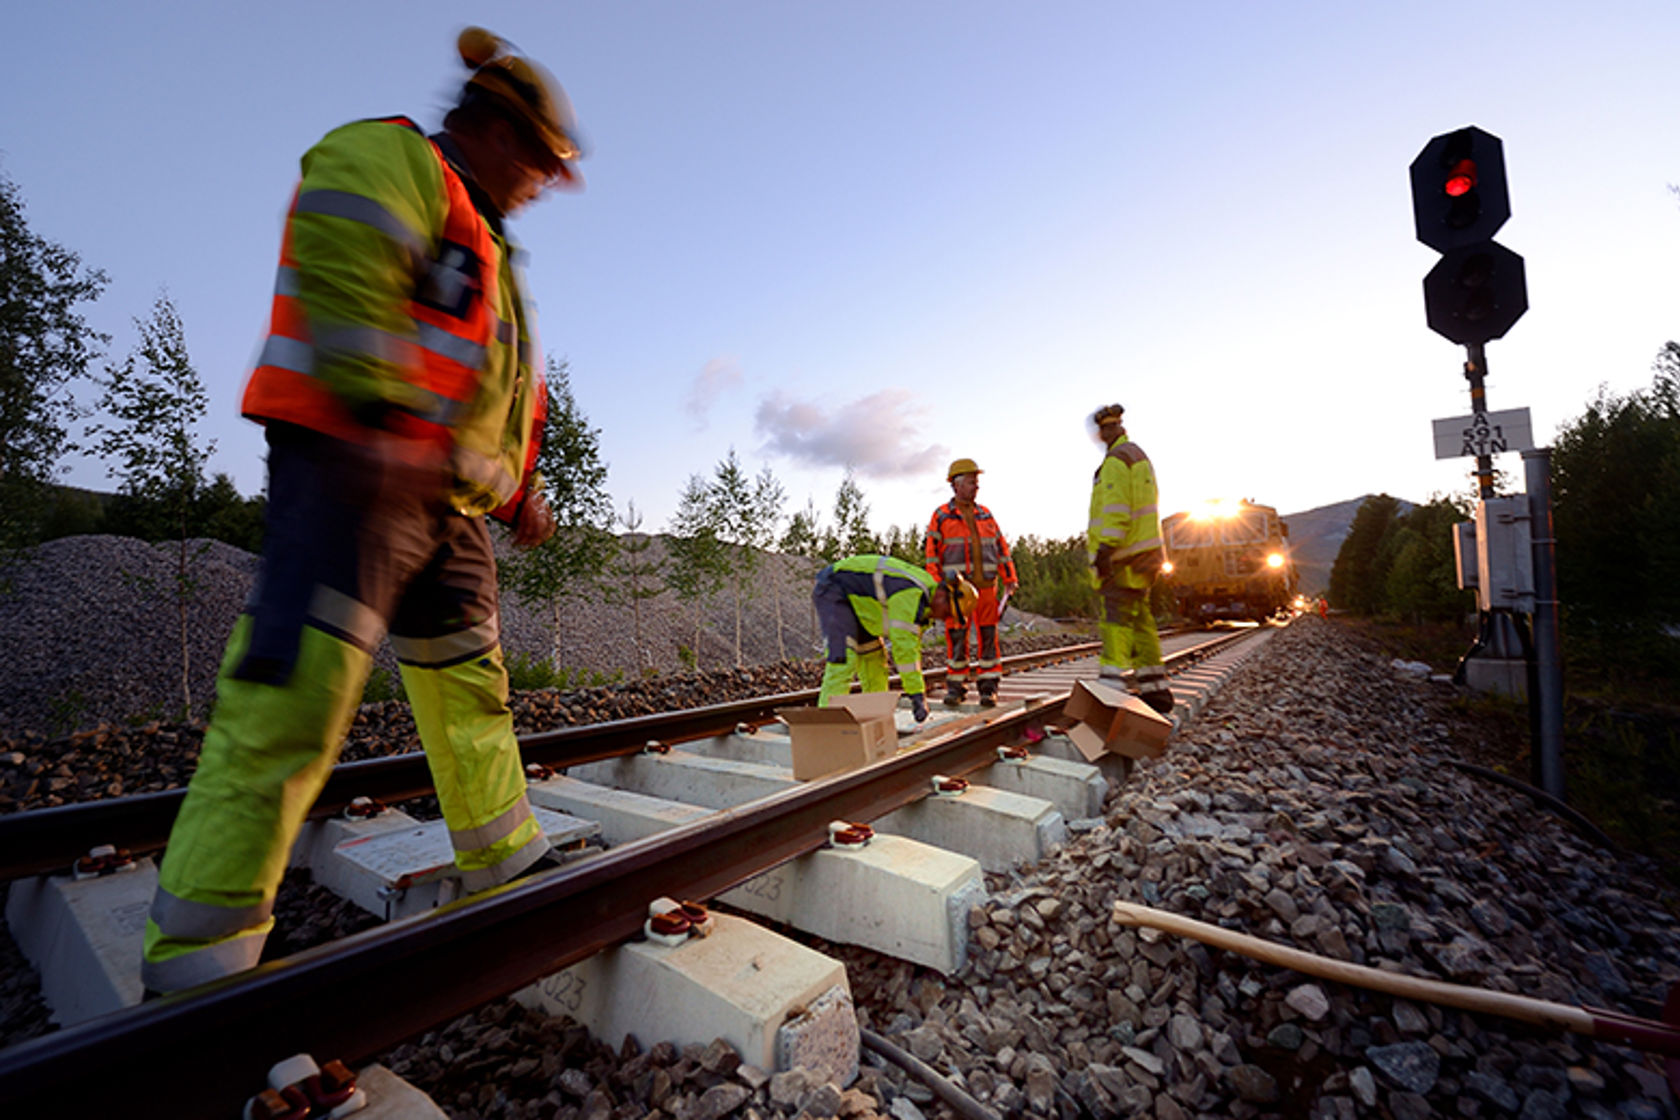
x=1312, y=804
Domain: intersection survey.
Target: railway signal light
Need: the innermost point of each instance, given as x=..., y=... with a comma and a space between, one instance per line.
x=1458, y=189
x=1459, y=201
x=1475, y=293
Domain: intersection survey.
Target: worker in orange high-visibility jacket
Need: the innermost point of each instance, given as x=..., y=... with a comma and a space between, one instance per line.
x=963, y=539
x=402, y=397
x=1126, y=554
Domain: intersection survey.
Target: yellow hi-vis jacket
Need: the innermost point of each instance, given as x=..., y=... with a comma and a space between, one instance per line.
x=1124, y=515
x=397, y=305
x=891, y=601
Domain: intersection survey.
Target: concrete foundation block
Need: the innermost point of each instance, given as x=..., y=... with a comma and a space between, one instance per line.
x=396, y=872
x=1115, y=768
x=318, y=838
x=693, y=779
x=995, y=826
x=1504, y=676
x=85, y=938
x=389, y=1097
x=770, y=745
x=1073, y=786
x=623, y=815
x=778, y=1003
x=895, y=895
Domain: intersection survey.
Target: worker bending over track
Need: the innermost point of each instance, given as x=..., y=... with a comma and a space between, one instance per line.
x=865, y=602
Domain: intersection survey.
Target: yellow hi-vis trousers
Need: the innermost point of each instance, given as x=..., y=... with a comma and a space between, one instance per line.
x=351, y=544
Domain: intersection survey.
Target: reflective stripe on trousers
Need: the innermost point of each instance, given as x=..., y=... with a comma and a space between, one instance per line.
x=1127, y=629
x=351, y=544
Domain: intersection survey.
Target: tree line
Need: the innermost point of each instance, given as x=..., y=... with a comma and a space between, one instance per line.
x=1616, y=525
x=143, y=423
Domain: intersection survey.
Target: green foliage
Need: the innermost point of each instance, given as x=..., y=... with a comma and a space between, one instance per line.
x=638, y=575
x=1055, y=577
x=65, y=711
x=381, y=685
x=850, y=534
x=529, y=673
x=1358, y=576
x=155, y=401
x=1616, y=513
x=68, y=512
x=1400, y=564
x=803, y=536
x=574, y=482
x=699, y=559
x=907, y=543
x=45, y=346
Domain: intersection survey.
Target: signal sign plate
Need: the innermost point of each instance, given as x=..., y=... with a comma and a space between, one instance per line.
x=1483, y=433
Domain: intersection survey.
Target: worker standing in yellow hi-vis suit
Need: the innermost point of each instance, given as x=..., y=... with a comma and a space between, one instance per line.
x=402, y=397
x=1124, y=546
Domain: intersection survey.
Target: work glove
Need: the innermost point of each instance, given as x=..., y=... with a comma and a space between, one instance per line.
x=1148, y=563
x=918, y=707
x=1104, y=563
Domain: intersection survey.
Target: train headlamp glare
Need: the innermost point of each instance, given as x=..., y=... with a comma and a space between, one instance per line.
x=1275, y=560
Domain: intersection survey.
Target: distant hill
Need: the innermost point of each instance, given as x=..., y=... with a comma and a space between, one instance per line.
x=1316, y=535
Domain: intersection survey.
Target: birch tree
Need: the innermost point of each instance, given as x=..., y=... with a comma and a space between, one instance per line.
x=574, y=478
x=155, y=402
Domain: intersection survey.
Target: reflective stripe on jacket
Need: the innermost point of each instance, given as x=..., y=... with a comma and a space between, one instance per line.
x=891, y=600
x=1124, y=516
x=397, y=305
x=950, y=550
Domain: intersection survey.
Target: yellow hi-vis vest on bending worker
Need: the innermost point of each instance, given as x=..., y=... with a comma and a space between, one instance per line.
x=889, y=601
x=1125, y=519
x=413, y=311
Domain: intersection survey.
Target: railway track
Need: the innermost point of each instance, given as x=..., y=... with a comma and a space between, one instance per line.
x=216, y=1042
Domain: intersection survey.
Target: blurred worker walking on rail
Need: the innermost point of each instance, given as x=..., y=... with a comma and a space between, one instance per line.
x=963, y=539
x=402, y=395
x=1124, y=547
x=866, y=602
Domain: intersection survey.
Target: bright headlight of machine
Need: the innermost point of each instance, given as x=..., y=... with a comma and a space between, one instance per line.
x=1274, y=560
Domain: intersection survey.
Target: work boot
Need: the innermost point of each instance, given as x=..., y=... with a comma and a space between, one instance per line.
x=1161, y=701
x=954, y=694
x=988, y=697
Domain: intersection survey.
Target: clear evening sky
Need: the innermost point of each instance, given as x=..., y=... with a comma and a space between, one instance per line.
x=893, y=233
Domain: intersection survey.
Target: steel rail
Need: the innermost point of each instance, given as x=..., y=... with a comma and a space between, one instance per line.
x=43, y=841
x=201, y=1053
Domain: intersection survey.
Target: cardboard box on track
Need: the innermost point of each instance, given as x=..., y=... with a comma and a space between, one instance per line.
x=856, y=731
x=1110, y=721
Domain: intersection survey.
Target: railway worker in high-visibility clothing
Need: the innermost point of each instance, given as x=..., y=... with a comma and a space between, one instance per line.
x=963, y=539
x=402, y=395
x=1125, y=551
x=867, y=602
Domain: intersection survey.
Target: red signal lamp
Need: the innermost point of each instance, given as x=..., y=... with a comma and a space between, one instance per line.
x=1462, y=180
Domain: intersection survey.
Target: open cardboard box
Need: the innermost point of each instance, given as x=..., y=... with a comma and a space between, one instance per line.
x=856, y=731
x=1110, y=721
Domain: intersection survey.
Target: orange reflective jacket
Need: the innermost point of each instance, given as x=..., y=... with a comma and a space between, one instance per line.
x=399, y=318
x=951, y=551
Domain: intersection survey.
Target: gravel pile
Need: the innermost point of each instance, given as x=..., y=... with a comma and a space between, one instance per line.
x=90, y=629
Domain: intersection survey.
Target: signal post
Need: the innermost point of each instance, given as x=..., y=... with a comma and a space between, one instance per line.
x=1474, y=294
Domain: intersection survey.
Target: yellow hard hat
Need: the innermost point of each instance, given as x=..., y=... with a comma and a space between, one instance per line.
x=962, y=466
x=523, y=86
x=963, y=596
